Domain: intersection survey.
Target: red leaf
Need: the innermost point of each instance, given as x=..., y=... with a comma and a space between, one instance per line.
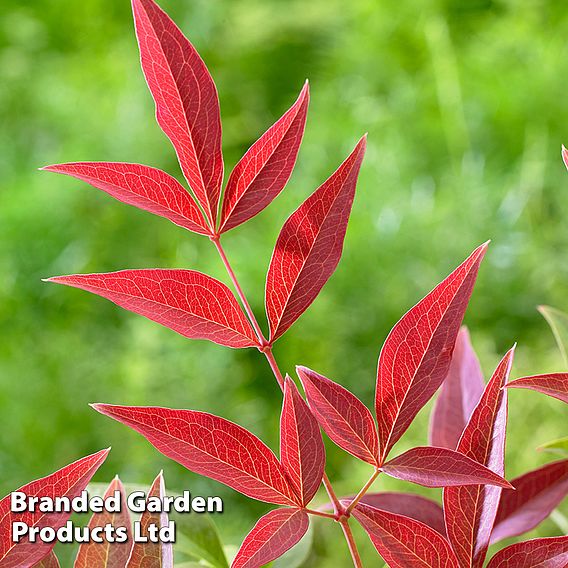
x=461, y=390
x=211, y=446
x=271, y=537
x=537, y=494
x=266, y=167
x=67, y=482
x=553, y=384
x=404, y=542
x=107, y=554
x=152, y=554
x=302, y=452
x=189, y=302
x=50, y=561
x=470, y=511
x=345, y=419
x=440, y=467
x=565, y=156
x=187, y=105
x=541, y=552
x=142, y=186
x=416, y=355
x=309, y=246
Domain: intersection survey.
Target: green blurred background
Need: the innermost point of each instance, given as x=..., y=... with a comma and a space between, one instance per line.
x=465, y=108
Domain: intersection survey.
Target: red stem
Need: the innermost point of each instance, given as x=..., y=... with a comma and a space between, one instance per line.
x=351, y=543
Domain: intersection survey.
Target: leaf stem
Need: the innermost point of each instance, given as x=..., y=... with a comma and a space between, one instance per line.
x=337, y=506
x=320, y=514
x=274, y=366
x=344, y=522
x=363, y=491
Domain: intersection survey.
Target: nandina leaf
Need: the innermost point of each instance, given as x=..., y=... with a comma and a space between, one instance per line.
x=107, y=554
x=536, y=495
x=211, y=446
x=271, y=537
x=189, y=302
x=67, y=482
x=302, y=452
x=50, y=561
x=345, y=419
x=417, y=353
x=552, y=384
x=565, y=156
x=558, y=322
x=187, y=105
x=309, y=246
x=542, y=552
x=152, y=554
x=141, y=186
x=441, y=467
x=404, y=542
x=266, y=167
x=470, y=511
x=461, y=390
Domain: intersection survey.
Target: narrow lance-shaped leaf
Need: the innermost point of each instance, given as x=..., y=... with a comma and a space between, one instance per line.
x=417, y=353
x=542, y=552
x=211, y=446
x=536, y=495
x=302, y=452
x=558, y=322
x=309, y=246
x=559, y=446
x=189, y=302
x=107, y=554
x=461, y=390
x=264, y=170
x=552, y=384
x=344, y=418
x=67, y=482
x=187, y=105
x=271, y=537
x=50, y=561
x=565, y=156
x=470, y=511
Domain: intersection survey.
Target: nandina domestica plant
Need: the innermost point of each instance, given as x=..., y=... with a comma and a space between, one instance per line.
x=424, y=350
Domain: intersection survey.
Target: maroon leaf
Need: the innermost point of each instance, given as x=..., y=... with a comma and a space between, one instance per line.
x=470, y=511
x=67, y=482
x=302, y=452
x=309, y=246
x=187, y=105
x=461, y=390
x=345, y=419
x=142, y=186
x=271, y=537
x=553, y=384
x=211, y=446
x=541, y=552
x=416, y=355
x=441, y=467
x=189, y=302
x=537, y=494
x=404, y=542
x=50, y=561
x=265, y=169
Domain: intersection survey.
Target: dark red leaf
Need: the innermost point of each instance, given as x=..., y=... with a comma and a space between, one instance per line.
x=537, y=494
x=265, y=169
x=67, y=482
x=553, y=384
x=416, y=355
x=187, y=105
x=271, y=537
x=50, y=561
x=345, y=419
x=404, y=542
x=189, y=302
x=541, y=552
x=309, y=246
x=461, y=390
x=211, y=446
x=302, y=452
x=470, y=511
x=441, y=467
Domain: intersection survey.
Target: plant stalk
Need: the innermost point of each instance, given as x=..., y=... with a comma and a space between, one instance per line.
x=363, y=491
x=351, y=543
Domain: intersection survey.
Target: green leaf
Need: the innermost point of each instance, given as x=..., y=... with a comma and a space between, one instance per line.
x=558, y=322
x=298, y=554
x=559, y=446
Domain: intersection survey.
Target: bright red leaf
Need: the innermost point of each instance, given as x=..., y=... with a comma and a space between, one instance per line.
x=266, y=167
x=309, y=246
x=470, y=511
x=271, y=537
x=50, y=561
x=344, y=418
x=553, y=384
x=67, y=482
x=189, y=302
x=417, y=353
x=211, y=446
x=541, y=552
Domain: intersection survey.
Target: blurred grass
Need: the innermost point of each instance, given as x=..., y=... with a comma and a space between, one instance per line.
x=464, y=104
